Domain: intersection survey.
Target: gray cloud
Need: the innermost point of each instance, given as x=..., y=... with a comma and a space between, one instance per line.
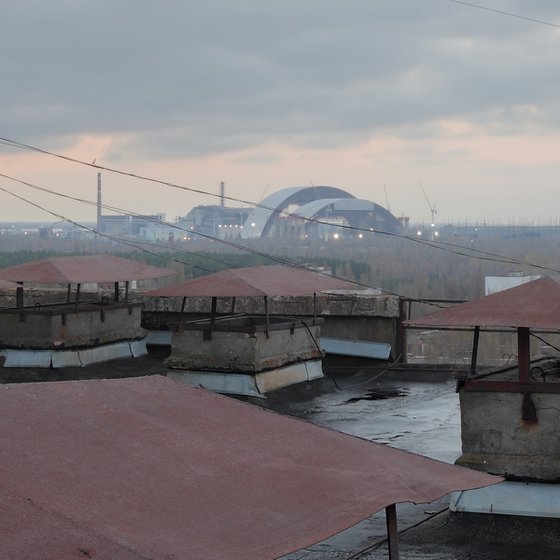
x=186, y=78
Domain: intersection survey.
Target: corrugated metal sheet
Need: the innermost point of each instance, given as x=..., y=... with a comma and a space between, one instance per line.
x=80, y=270
x=532, y=305
x=151, y=468
x=276, y=280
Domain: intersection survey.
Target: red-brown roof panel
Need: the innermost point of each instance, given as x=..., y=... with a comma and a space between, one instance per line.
x=81, y=270
x=535, y=304
x=151, y=468
x=275, y=280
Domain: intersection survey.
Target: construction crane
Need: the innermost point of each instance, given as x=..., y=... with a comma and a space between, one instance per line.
x=431, y=206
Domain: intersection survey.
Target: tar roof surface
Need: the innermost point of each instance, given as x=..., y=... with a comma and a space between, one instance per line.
x=151, y=468
x=82, y=269
x=535, y=304
x=275, y=280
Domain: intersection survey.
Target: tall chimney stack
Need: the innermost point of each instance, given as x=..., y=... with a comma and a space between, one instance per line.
x=222, y=194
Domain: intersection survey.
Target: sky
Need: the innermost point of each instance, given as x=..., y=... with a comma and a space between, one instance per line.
x=377, y=97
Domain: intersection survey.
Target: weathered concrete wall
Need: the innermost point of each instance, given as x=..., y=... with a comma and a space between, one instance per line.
x=238, y=351
x=69, y=327
x=496, y=439
x=372, y=318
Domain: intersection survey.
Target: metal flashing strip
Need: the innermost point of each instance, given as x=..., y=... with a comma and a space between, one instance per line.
x=26, y=358
x=358, y=348
x=529, y=499
x=57, y=359
x=250, y=384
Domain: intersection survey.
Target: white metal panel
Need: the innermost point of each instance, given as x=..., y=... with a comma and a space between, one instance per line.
x=227, y=383
x=65, y=358
x=510, y=498
x=138, y=348
x=358, y=348
x=288, y=375
x=105, y=353
x=27, y=358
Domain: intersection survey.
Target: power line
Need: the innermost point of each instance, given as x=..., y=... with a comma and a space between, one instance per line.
x=504, y=13
x=441, y=245
x=273, y=258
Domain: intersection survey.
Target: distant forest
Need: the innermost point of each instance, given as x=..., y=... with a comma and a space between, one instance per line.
x=449, y=269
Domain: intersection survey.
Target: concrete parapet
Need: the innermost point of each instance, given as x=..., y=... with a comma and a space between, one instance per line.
x=243, y=351
x=496, y=438
x=68, y=326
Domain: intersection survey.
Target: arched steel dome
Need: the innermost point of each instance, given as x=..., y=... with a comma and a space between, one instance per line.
x=323, y=203
x=262, y=218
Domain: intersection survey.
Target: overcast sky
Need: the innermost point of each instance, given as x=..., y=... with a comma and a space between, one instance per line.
x=372, y=96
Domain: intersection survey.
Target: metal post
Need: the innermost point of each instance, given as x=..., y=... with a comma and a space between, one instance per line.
x=126, y=291
x=68, y=293
x=474, y=356
x=314, y=308
x=19, y=297
x=392, y=532
x=213, y=312
x=523, y=353
x=116, y=291
x=77, y=294
x=232, y=305
x=266, y=317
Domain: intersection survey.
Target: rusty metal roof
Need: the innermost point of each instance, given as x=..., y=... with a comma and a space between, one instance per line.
x=81, y=270
x=535, y=304
x=151, y=468
x=275, y=280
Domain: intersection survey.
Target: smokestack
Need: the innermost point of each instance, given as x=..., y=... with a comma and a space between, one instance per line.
x=98, y=201
x=222, y=194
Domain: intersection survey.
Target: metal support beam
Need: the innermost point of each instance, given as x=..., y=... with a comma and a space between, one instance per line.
x=19, y=297
x=314, y=308
x=116, y=291
x=474, y=356
x=213, y=312
x=523, y=353
x=392, y=531
x=267, y=316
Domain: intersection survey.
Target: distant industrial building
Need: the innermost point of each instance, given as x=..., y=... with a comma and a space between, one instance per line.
x=215, y=221
x=317, y=212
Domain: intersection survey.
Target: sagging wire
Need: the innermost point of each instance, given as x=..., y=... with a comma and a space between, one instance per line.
x=152, y=219
x=323, y=358
x=441, y=245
